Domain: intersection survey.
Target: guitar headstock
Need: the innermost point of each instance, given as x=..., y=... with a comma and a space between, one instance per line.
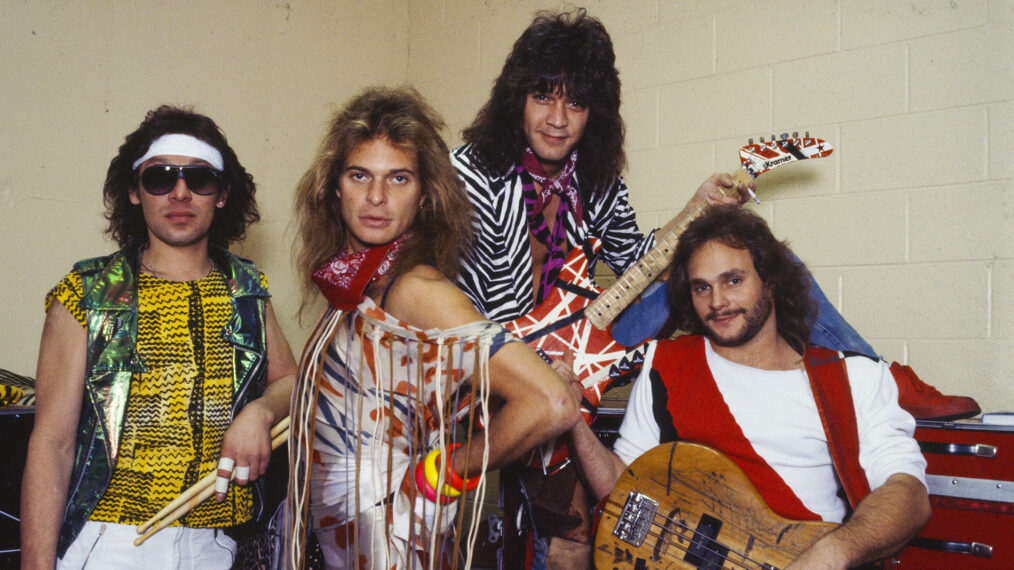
x=758, y=158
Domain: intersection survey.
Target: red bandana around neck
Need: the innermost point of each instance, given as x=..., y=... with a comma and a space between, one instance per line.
x=344, y=278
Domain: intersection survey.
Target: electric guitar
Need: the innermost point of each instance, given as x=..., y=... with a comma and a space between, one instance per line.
x=558, y=325
x=576, y=313
x=755, y=159
x=685, y=505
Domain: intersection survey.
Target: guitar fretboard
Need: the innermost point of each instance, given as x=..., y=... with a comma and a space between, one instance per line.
x=628, y=286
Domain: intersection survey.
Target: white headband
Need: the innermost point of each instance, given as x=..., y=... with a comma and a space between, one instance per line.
x=183, y=145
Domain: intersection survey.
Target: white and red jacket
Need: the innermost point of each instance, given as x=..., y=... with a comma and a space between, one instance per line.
x=767, y=422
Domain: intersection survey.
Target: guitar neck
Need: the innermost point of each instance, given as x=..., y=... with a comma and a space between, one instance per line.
x=611, y=302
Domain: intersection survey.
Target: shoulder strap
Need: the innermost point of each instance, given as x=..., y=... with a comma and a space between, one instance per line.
x=387, y=290
x=829, y=382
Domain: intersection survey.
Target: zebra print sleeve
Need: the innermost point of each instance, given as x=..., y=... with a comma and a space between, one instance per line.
x=496, y=272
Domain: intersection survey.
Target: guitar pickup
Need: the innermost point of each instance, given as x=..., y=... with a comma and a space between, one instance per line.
x=636, y=519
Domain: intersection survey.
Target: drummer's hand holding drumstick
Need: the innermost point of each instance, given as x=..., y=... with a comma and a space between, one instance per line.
x=246, y=447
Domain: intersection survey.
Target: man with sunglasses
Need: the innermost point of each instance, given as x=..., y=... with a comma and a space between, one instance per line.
x=158, y=364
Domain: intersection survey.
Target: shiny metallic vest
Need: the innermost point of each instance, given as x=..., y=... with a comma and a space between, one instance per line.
x=109, y=299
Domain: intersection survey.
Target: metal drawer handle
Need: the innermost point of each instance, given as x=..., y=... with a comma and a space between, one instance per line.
x=973, y=548
x=976, y=449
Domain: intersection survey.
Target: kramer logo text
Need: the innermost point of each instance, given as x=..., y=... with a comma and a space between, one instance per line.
x=773, y=163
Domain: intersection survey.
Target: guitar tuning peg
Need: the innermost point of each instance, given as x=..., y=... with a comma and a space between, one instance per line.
x=785, y=136
x=749, y=140
x=795, y=134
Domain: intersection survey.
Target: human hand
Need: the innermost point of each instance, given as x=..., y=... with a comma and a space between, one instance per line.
x=247, y=445
x=710, y=190
x=564, y=368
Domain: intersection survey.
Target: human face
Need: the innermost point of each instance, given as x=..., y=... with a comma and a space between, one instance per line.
x=380, y=193
x=554, y=123
x=179, y=218
x=729, y=296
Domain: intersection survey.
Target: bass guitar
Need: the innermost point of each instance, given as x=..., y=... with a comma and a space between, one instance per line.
x=685, y=505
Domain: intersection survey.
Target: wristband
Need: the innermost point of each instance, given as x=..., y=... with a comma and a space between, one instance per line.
x=433, y=475
x=455, y=480
x=424, y=485
x=420, y=483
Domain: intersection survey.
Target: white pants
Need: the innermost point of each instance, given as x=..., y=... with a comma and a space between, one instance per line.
x=110, y=545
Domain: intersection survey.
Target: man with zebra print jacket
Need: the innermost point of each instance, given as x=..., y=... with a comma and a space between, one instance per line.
x=542, y=168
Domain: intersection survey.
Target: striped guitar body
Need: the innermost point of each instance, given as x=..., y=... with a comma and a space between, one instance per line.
x=685, y=505
x=559, y=324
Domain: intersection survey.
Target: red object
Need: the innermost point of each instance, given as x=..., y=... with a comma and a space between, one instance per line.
x=456, y=481
x=970, y=472
x=423, y=485
x=559, y=325
x=830, y=385
x=925, y=402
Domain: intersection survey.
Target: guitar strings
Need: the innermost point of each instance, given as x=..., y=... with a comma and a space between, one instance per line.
x=704, y=544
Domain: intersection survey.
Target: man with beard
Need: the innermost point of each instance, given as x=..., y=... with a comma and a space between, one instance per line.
x=741, y=383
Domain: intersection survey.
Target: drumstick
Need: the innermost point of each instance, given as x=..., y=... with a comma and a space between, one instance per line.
x=186, y=500
x=197, y=495
x=206, y=481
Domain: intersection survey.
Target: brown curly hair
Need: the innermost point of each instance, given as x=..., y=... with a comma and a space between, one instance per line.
x=787, y=278
x=126, y=220
x=570, y=50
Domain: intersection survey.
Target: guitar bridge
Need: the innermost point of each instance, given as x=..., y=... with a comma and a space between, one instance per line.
x=636, y=519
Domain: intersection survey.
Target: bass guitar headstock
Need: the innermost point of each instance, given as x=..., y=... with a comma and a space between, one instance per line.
x=758, y=158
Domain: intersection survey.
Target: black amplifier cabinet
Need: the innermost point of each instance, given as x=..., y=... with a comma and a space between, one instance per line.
x=15, y=427
x=970, y=474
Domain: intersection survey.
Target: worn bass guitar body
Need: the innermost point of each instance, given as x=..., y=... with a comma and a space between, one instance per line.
x=684, y=505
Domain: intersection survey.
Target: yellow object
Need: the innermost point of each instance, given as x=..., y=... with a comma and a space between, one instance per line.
x=9, y=395
x=433, y=476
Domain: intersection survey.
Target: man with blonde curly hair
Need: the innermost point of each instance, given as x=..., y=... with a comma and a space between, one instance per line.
x=377, y=458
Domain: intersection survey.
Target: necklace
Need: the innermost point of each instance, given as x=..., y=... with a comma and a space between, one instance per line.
x=153, y=271
x=163, y=276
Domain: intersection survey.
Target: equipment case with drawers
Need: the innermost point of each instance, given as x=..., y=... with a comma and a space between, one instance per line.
x=970, y=475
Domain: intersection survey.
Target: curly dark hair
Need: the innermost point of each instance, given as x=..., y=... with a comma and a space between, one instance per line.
x=441, y=230
x=126, y=220
x=568, y=50
x=787, y=277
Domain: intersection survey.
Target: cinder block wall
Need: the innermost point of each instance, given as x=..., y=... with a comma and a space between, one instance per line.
x=78, y=77
x=908, y=227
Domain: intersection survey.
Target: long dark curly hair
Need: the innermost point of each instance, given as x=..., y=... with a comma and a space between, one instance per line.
x=568, y=50
x=777, y=267
x=126, y=220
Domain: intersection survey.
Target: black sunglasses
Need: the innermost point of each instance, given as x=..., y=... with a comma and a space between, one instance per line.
x=160, y=179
